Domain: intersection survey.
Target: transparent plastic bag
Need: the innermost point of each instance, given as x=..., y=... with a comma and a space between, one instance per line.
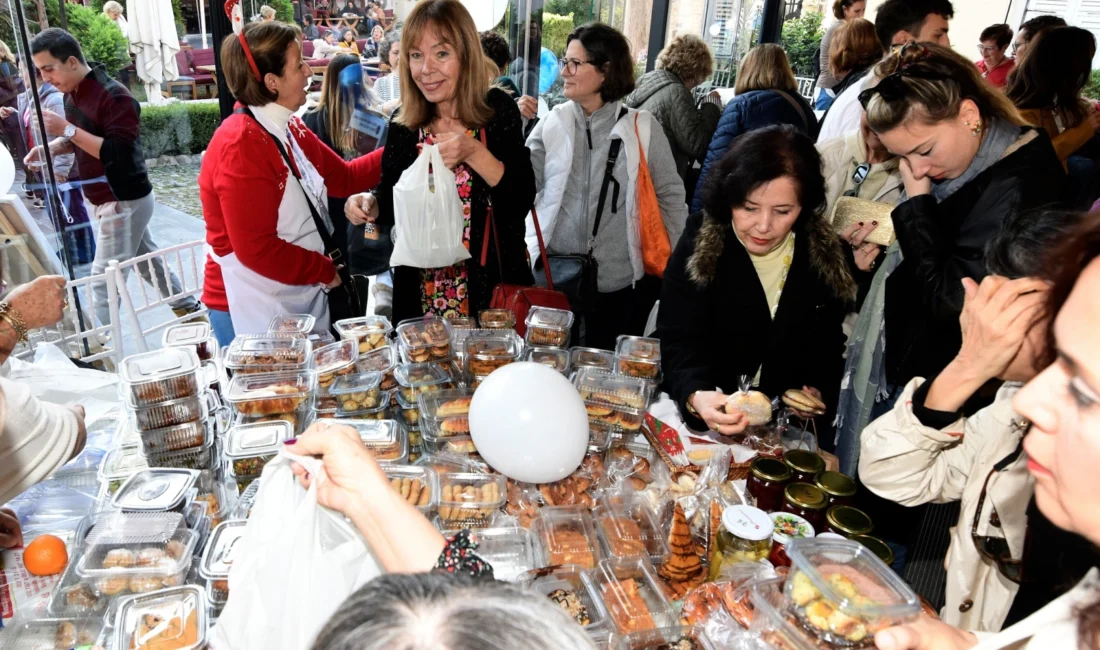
x=428, y=222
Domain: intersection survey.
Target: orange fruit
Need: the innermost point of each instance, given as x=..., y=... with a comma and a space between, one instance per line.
x=45, y=556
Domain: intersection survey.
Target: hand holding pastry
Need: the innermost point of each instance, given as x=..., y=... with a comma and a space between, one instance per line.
x=710, y=406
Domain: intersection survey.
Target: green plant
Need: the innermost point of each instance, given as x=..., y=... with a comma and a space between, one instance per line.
x=1092, y=88
x=100, y=38
x=178, y=129
x=284, y=10
x=581, y=10
x=555, y=31
x=802, y=39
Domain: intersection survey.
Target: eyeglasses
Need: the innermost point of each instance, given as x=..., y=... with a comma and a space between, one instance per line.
x=987, y=49
x=858, y=176
x=995, y=549
x=571, y=65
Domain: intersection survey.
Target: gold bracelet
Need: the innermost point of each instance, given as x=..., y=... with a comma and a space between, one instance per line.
x=12, y=317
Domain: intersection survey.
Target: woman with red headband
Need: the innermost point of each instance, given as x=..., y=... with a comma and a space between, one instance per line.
x=264, y=185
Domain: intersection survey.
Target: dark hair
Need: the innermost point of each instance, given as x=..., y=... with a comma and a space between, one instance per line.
x=609, y=51
x=999, y=34
x=1029, y=29
x=59, y=43
x=307, y=19
x=761, y=156
x=270, y=44
x=907, y=15
x=1056, y=68
x=840, y=5
x=496, y=48
x=387, y=45
x=1021, y=248
x=1063, y=266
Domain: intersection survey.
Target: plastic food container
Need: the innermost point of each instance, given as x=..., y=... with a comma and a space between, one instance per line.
x=680, y=637
x=417, y=485
x=600, y=437
x=382, y=360
x=49, y=634
x=416, y=378
x=408, y=412
x=633, y=597
x=424, y=339
x=73, y=596
x=496, y=319
x=468, y=500
x=842, y=593
x=555, y=358
x=173, y=618
x=217, y=593
x=379, y=412
x=267, y=353
x=638, y=356
x=457, y=445
x=177, y=411
x=271, y=394
x=462, y=323
x=368, y=332
x=137, y=553
x=199, y=458
x=568, y=536
x=771, y=621
x=446, y=413
x=245, y=501
x=196, y=335
x=250, y=446
x=512, y=552
x=218, y=557
x=566, y=587
x=292, y=324
x=334, y=360
x=549, y=327
x=591, y=358
x=618, y=391
x=358, y=392
x=384, y=439
x=182, y=436
x=159, y=376
x=217, y=506
x=629, y=529
x=484, y=354
x=319, y=338
x=153, y=490
x=120, y=464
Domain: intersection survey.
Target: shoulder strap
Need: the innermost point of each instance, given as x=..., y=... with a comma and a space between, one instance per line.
x=608, y=178
x=797, y=108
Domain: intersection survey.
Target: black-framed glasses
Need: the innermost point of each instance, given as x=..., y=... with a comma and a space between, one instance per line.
x=996, y=549
x=571, y=65
x=858, y=176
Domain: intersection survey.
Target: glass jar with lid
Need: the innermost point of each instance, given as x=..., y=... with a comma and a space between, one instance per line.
x=787, y=527
x=839, y=488
x=806, y=501
x=878, y=547
x=745, y=536
x=805, y=465
x=847, y=521
x=767, y=478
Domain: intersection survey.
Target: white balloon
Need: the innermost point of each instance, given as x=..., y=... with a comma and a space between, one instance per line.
x=529, y=423
x=486, y=13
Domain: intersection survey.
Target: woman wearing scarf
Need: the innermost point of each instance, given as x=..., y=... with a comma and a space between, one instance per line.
x=968, y=164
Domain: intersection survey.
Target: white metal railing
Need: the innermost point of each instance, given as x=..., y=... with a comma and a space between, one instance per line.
x=190, y=256
x=806, y=86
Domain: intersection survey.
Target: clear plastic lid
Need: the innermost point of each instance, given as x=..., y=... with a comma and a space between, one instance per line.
x=269, y=393
x=633, y=597
x=220, y=551
x=417, y=485
x=638, y=348
x=568, y=536
x=363, y=327
x=831, y=575
x=555, y=358
x=335, y=356
x=591, y=358
x=155, y=489
x=245, y=501
x=548, y=318
x=496, y=318
x=199, y=458
x=459, y=445
x=178, y=437
x=462, y=323
x=427, y=332
x=50, y=634
x=385, y=439
x=378, y=360
x=600, y=437
x=358, y=383
x=502, y=346
x=171, y=618
x=268, y=352
x=287, y=323
x=140, y=544
x=512, y=552
x=565, y=586
x=421, y=377
x=629, y=529
x=121, y=463
x=770, y=620
x=614, y=390
x=192, y=333
x=445, y=403
x=257, y=439
x=160, y=375
x=469, y=499
x=319, y=338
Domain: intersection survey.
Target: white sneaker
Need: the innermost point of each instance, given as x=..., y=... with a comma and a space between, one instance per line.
x=383, y=299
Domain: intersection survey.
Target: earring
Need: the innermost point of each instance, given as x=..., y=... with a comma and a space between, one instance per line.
x=975, y=130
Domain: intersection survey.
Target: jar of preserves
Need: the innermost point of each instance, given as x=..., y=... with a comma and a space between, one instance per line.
x=805, y=465
x=847, y=521
x=745, y=536
x=878, y=547
x=767, y=478
x=806, y=501
x=787, y=527
x=839, y=488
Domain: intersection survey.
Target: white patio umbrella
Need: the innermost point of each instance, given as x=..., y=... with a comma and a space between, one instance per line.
x=154, y=44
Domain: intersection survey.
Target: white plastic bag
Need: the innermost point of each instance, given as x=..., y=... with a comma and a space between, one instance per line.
x=428, y=222
x=295, y=564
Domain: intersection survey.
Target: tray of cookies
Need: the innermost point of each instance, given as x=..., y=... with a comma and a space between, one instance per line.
x=446, y=413
x=368, y=332
x=251, y=353
x=358, y=392
x=333, y=361
x=195, y=335
x=511, y=551
x=292, y=324
x=548, y=327
x=555, y=358
x=638, y=356
x=249, y=447
x=462, y=323
x=414, y=379
x=591, y=358
x=631, y=462
x=386, y=440
x=496, y=319
x=628, y=529
x=619, y=391
x=484, y=354
x=469, y=500
x=173, y=618
x=136, y=553
x=381, y=411
x=566, y=587
x=424, y=339
x=159, y=376
x=633, y=597
x=419, y=486
x=568, y=536
x=188, y=435
x=407, y=412
x=272, y=394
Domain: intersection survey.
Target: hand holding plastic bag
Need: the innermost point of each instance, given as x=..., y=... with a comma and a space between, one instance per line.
x=428, y=221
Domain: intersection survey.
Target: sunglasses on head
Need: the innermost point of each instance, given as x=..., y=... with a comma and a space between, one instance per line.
x=892, y=87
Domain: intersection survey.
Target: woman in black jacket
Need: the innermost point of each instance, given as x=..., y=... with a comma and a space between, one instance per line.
x=447, y=101
x=758, y=285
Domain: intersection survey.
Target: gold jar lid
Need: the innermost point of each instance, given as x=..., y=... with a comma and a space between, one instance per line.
x=878, y=547
x=848, y=521
x=836, y=484
x=804, y=462
x=804, y=495
x=770, y=469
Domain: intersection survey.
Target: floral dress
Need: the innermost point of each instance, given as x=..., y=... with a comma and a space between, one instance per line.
x=445, y=291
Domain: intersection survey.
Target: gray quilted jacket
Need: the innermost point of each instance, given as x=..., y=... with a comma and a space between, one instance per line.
x=687, y=128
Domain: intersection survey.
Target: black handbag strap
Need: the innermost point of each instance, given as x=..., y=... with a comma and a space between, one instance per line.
x=612, y=156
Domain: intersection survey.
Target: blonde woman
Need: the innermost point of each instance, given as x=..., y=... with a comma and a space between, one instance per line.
x=665, y=92
x=113, y=10
x=767, y=94
x=267, y=14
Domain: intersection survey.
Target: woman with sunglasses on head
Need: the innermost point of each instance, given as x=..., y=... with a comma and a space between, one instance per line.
x=927, y=450
x=1062, y=447
x=584, y=189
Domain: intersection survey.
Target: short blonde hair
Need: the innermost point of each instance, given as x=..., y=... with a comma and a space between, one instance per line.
x=765, y=67
x=456, y=28
x=110, y=7
x=689, y=57
x=267, y=12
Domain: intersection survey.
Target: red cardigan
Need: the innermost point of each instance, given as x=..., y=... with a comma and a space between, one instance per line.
x=241, y=185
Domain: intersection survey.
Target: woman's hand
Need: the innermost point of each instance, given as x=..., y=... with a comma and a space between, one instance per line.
x=528, y=106
x=1094, y=117
x=925, y=633
x=913, y=186
x=995, y=320
x=865, y=253
x=11, y=535
x=40, y=302
x=353, y=474
x=361, y=208
x=456, y=148
x=710, y=405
